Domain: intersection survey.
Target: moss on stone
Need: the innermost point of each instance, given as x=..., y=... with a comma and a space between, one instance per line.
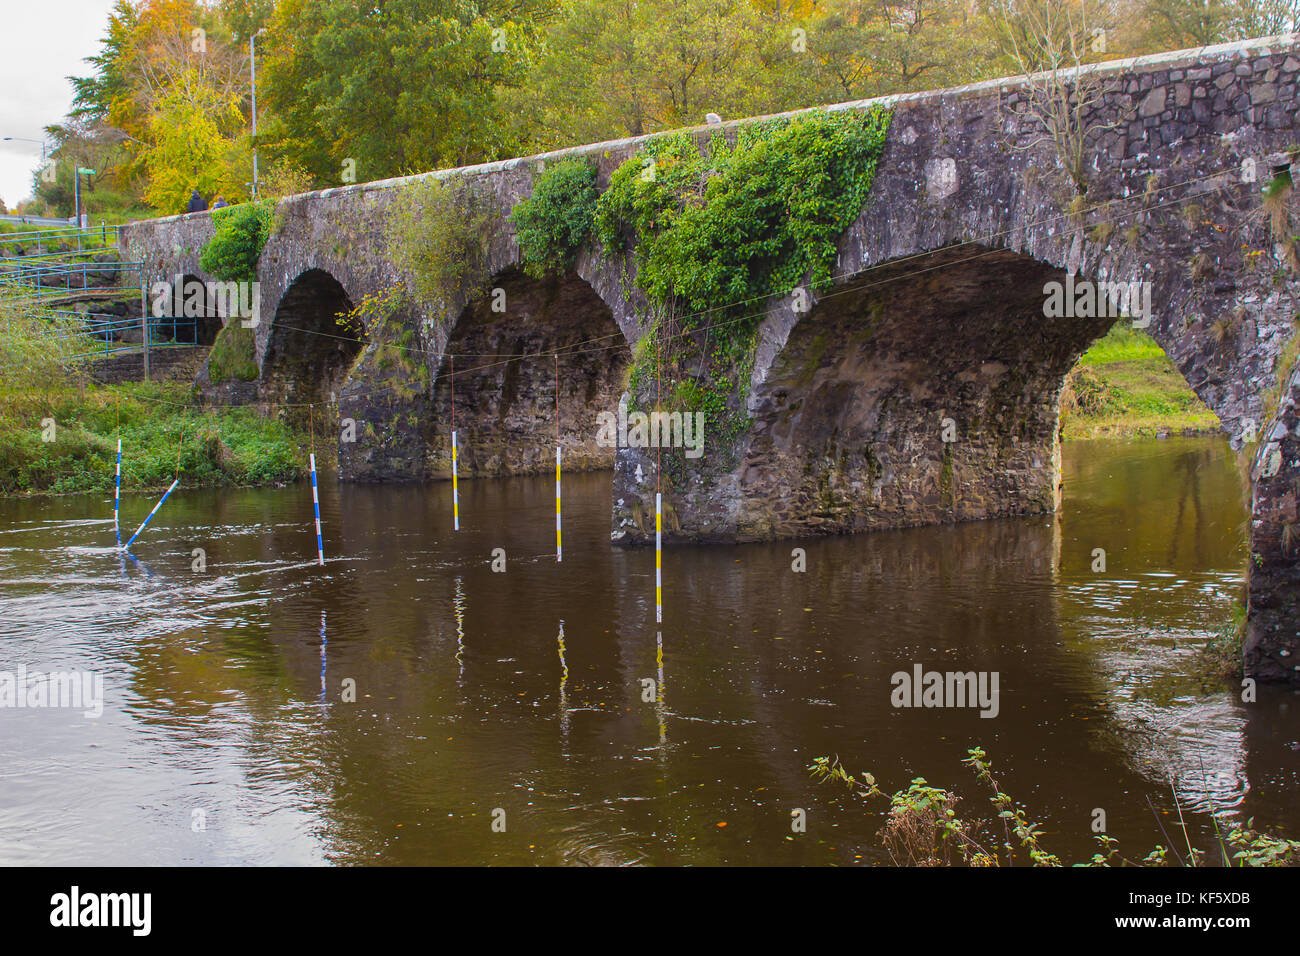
x=234, y=355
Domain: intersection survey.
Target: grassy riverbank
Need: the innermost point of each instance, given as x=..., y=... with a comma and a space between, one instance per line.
x=161, y=430
x=1125, y=386
x=59, y=430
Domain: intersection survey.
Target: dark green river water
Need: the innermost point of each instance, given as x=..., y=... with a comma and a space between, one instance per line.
x=225, y=736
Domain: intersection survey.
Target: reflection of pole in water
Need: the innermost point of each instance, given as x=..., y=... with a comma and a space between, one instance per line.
x=564, y=685
x=659, y=692
x=323, y=642
x=458, y=603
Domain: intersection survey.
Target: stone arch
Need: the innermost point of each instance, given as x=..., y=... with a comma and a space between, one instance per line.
x=309, y=350
x=924, y=391
x=505, y=378
x=206, y=326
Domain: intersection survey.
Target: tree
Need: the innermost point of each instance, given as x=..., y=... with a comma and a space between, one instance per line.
x=611, y=68
x=190, y=147
x=172, y=85
x=1173, y=24
x=395, y=86
x=1048, y=42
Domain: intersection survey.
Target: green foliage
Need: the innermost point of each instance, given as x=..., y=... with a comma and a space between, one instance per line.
x=1221, y=657
x=922, y=827
x=191, y=130
x=728, y=226
x=37, y=350
x=403, y=86
x=556, y=220
x=438, y=233
x=1122, y=343
x=234, y=354
x=1126, y=385
x=1261, y=849
x=1013, y=818
x=719, y=230
x=216, y=446
x=240, y=234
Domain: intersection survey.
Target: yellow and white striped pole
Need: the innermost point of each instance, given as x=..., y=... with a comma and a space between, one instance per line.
x=559, y=550
x=455, y=488
x=659, y=564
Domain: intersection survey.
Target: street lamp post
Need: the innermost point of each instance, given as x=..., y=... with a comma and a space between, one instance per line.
x=38, y=142
x=24, y=139
x=78, y=172
x=252, y=64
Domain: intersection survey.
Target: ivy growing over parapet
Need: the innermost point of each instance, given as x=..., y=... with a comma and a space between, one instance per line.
x=439, y=233
x=726, y=226
x=239, y=236
x=553, y=224
x=717, y=230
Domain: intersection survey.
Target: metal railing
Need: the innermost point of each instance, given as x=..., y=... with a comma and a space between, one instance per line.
x=45, y=236
x=33, y=281
x=36, y=220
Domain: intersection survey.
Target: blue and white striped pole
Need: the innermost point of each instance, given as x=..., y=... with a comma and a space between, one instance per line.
x=315, y=502
x=117, y=487
x=151, y=514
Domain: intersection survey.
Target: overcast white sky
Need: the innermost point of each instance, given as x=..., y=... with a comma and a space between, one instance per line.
x=45, y=41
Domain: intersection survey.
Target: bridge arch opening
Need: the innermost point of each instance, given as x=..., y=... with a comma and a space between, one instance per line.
x=505, y=347
x=192, y=315
x=926, y=391
x=312, y=343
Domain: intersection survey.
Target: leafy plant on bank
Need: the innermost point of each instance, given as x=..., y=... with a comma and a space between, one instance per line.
x=240, y=234
x=922, y=827
x=553, y=223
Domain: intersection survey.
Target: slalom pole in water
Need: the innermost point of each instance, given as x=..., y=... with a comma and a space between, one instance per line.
x=455, y=488
x=659, y=564
x=117, y=481
x=559, y=550
x=315, y=502
x=117, y=489
x=315, y=495
x=151, y=514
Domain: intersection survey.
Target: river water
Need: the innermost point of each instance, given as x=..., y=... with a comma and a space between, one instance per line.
x=523, y=698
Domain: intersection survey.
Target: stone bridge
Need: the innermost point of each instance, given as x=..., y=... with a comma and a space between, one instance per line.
x=923, y=386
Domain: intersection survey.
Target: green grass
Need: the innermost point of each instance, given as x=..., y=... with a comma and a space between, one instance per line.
x=160, y=429
x=1123, y=344
x=234, y=354
x=1125, y=386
